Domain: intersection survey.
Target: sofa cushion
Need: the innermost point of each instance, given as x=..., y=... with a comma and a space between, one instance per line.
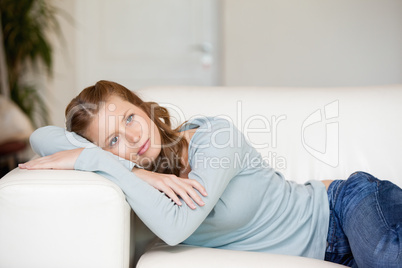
x=165, y=256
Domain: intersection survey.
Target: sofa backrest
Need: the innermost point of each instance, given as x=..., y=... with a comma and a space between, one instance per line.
x=305, y=133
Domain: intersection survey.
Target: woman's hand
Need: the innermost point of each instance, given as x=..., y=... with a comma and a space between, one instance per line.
x=59, y=160
x=174, y=186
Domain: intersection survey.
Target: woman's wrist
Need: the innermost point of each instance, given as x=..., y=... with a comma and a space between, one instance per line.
x=138, y=171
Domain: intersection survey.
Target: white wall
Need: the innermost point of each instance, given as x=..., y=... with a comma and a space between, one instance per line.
x=62, y=87
x=277, y=43
x=312, y=42
x=136, y=43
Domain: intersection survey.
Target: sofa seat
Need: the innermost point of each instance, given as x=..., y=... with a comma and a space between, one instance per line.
x=164, y=256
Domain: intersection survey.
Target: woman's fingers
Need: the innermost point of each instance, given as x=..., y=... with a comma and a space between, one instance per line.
x=175, y=187
x=186, y=198
x=195, y=184
x=38, y=163
x=59, y=160
x=185, y=191
x=192, y=192
x=171, y=194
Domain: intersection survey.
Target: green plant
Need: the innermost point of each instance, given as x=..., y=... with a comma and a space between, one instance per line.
x=25, y=27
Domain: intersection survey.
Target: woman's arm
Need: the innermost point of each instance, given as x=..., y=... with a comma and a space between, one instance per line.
x=51, y=139
x=60, y=148
x=170, y=222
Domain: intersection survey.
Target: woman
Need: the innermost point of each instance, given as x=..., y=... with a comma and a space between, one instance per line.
x=249, y=206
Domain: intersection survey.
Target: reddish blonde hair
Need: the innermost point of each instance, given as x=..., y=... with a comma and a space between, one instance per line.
x=80, y=111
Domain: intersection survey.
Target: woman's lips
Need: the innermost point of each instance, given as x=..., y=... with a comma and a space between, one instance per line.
x=144, y=148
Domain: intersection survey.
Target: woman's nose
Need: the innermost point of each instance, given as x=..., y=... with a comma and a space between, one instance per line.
x=133, y=136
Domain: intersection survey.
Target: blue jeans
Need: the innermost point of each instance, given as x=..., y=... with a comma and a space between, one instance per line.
x=365, y=228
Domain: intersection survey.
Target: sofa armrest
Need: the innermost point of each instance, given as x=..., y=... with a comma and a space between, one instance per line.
x=62, y=218
x=164, y=256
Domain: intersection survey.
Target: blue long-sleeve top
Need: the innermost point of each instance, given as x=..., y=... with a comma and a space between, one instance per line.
x=249, y=205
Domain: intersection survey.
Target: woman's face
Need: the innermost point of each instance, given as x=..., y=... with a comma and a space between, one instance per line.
x=125, y=130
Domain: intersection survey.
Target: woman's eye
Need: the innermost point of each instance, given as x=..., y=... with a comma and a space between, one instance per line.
x=129, y=118
x=114, y=141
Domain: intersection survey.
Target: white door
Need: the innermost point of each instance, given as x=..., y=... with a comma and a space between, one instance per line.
x=141, y=43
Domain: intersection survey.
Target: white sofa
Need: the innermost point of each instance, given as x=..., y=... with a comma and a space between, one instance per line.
x=78, y=219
